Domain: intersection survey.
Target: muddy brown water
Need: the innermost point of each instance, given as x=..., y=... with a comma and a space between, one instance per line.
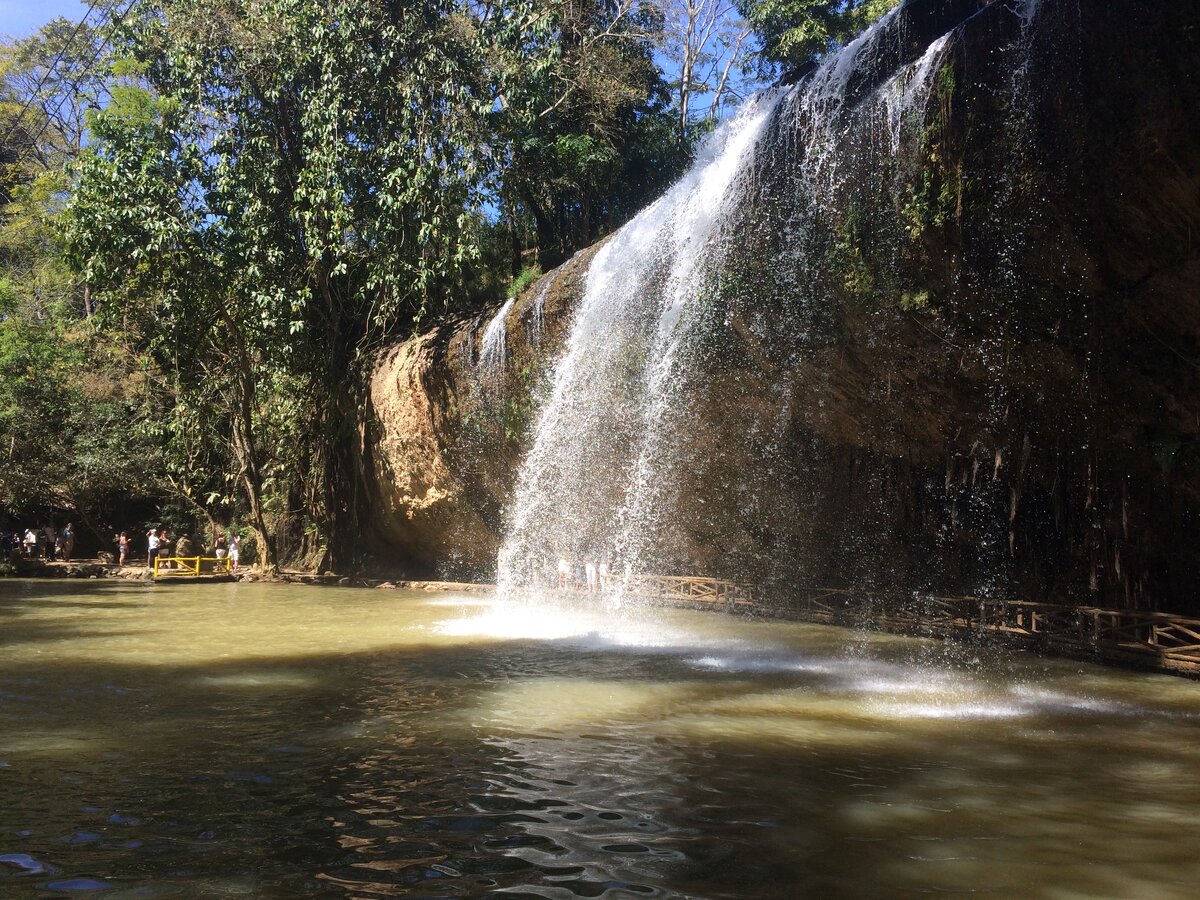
x=282, y=741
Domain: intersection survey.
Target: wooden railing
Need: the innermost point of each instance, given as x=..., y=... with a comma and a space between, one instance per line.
x=683, y=589
x=171, y=566
x=680, y=589
x=1160, y=640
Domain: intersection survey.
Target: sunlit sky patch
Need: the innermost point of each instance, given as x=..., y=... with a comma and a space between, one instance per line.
x=19, y=18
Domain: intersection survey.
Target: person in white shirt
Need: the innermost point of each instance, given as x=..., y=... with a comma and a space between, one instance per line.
x=153, y=539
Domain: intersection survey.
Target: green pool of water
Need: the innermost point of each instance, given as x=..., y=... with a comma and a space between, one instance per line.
x=279, y=741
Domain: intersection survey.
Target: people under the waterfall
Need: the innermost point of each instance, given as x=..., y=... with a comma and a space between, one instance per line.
x=591, y=575
x=67, y=536
x=602, y=573
x=564, y=573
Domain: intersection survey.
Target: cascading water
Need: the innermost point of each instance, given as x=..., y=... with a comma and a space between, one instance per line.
x=905, y=98
x=538, y=323
x=770, y=211
x=493, y=350
x=596, y=437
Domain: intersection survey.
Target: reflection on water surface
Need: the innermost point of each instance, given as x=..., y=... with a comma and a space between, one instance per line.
x=271, y=740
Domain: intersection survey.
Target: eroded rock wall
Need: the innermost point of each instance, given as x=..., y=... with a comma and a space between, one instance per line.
x=449, y=430
x=998, y=392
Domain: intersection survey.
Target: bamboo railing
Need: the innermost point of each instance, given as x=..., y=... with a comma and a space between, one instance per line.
x=1160, y=640
x=671, y=589
x=680, y=589
x=1156, y=640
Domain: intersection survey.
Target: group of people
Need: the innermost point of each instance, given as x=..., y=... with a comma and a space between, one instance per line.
x=587, y=574
x=159, y=544
x=44, y=542
x=48, y=543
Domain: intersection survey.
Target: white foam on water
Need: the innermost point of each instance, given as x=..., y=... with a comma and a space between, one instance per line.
x=948, y=710
x=539, y=306
x=458, y=600
x=593, y=629
x=906, y=97
x=734, y=665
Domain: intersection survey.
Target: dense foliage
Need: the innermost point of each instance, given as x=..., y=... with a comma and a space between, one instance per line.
x=71, y=402
x=796, y=32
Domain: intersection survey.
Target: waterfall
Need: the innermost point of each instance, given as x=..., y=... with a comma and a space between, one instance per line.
x=905, y=97
x=770, y=198
x=538, y=322
x=494, y=348
x=579, y=490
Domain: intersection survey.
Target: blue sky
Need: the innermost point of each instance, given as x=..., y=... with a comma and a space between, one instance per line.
x=19, y=18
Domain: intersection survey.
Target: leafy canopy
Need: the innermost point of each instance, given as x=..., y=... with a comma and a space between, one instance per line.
x=796, y=32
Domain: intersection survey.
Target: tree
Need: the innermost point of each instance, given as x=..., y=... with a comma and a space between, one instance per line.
x=581, y=132
x=52, y=77
x=795, y=32
x=68, y=411
x=276, y=188
x=709, y=45
x=48, y=80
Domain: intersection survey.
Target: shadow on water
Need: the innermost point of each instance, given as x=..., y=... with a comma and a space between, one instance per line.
x=33, y=588
x=23, y=602
x=542, y=768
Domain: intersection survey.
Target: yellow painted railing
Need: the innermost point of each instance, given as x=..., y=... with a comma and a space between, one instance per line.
x=169, y=566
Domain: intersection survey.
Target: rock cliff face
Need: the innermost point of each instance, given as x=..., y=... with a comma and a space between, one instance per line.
x=999, y=390
x=450, y=427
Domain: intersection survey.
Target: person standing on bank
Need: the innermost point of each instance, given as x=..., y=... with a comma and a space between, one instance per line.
x=153, y=544
x=235, y=548
x=164, y=547
x=68, y=541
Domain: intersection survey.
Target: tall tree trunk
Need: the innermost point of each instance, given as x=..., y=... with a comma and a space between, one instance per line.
x=250, y=470
x=687, y=71
x=514, y=239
